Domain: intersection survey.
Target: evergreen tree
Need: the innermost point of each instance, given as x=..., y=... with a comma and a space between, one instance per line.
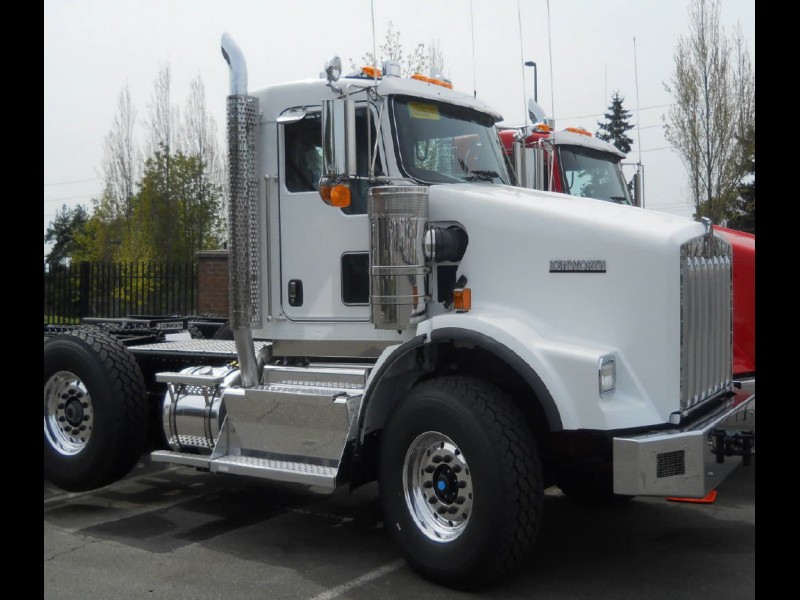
x=63, y=231
x=616, y=125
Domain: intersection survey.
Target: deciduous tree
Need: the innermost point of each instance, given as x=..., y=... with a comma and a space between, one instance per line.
x=713, y=87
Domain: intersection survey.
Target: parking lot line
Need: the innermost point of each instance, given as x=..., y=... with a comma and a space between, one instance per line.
x=358, y=581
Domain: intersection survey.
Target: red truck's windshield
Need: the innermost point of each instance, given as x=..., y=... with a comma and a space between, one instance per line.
x=592, y=174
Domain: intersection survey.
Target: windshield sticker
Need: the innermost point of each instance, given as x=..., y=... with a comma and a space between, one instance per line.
x=419, y=110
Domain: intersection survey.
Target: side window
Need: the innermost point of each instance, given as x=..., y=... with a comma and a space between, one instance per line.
x=355, y=278
x=303, y=154
x=303, y=151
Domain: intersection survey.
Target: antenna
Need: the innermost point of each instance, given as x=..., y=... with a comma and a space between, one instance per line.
x=522, y=61
x=472, y=30
x=374, y=49
x=638, y=114
x=640, y=167
x=550, y=52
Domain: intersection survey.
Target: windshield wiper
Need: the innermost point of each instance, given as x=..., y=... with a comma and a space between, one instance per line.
x=618, y=199
x=481, y=176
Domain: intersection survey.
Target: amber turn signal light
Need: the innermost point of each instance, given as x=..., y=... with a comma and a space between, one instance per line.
x=462, y=299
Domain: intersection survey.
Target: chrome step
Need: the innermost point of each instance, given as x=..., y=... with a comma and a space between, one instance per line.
x=262, y=468
x=349, y=377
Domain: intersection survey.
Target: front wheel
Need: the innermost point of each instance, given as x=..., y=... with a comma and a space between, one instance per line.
x=460, y=481
x=94, y=410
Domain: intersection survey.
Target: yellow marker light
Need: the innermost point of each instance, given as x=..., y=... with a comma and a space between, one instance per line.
x=340, y=196
x=579, y=130
x=431, y=80
x=543, y=127
x=373, y=72
x=462, y=299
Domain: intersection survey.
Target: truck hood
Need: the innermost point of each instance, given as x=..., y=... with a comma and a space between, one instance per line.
x=577, y=272
x=559, y=217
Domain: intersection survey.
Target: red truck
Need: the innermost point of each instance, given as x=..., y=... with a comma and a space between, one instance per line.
x=572, y=161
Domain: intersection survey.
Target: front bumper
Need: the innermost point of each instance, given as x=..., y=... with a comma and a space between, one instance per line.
x=691, y=460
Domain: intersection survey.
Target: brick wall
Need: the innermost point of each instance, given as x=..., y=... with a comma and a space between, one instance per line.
x=212, y=283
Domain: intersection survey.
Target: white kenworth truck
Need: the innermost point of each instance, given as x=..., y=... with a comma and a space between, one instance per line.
x=401, y=313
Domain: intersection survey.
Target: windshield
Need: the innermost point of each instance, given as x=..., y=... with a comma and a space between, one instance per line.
x=442, y=143
x=593, y=174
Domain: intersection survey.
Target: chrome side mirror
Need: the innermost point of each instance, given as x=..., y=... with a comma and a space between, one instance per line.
x=338, y=138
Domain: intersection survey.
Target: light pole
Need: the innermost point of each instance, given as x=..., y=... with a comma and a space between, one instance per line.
x=530, y=63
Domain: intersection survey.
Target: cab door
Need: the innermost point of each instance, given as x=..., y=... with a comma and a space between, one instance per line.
x=324, y=250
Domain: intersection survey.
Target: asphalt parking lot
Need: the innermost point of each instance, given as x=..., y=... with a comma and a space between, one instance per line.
x=168, y=532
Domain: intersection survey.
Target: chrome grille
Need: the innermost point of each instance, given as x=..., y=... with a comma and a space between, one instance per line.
x=705, y=319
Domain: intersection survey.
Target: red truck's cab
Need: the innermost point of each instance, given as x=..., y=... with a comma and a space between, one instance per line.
x=571, y=161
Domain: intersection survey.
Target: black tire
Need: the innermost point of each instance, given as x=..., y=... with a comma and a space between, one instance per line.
x=488, y=481
x=94, y=410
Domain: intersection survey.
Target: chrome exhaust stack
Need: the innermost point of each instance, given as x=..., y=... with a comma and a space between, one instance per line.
x=243, y=214
x=398, y=217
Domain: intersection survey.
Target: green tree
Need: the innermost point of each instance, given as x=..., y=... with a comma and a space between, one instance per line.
x=743, y=208
x=64, y=232
x=176, y=212
x=713, y=87
x=616, y=126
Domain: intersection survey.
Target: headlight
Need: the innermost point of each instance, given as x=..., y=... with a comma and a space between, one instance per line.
x=607, y=375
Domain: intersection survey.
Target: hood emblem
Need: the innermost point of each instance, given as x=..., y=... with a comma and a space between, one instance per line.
x=578, y=266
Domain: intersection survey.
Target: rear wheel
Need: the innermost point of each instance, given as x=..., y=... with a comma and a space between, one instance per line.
x=94, y=410
x=460, y=481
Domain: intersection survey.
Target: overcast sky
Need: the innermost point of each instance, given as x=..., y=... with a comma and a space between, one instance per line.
x=93, y=48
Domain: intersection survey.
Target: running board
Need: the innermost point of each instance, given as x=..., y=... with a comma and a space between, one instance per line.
x=296, y=426
x=262, y=468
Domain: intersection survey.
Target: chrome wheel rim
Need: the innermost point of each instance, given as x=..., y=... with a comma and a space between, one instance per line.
x=437, y=484
x=68, y=413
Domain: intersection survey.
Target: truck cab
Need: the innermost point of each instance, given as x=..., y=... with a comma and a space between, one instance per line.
x=570, y=161
x=403, y=314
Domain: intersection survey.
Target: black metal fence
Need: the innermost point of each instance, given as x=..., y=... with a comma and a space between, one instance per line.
x=113, y=290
